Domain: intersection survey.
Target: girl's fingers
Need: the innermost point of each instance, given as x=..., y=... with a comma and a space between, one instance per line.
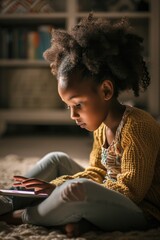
x=47, y=190
x=17, y=184
x=31, y=184
x=38, y=191
x=24, y=181
x=41, y=186
x=19, y=178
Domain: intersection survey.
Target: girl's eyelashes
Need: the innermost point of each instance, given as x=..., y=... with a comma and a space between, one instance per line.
x=77, y=106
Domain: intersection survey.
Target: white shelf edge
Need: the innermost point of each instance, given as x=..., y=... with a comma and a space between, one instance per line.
x=31, y=16
x=63, y=15
x=115, y=14
x=36, y=116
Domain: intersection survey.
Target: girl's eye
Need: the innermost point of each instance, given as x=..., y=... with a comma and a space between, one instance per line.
x=78, y=106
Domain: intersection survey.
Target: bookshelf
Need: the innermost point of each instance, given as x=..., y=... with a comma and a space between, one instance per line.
x=12, y=69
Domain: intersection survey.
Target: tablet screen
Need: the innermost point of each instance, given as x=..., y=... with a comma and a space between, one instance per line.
x=20, y=193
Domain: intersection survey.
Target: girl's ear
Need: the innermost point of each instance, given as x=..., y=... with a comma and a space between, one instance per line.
x=108, y=89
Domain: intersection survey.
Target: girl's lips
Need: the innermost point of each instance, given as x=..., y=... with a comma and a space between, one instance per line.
x=80, y=124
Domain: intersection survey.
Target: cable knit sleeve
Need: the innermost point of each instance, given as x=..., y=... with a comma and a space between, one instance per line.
x=140, y=140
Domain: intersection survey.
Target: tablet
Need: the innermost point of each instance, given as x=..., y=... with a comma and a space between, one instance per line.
x=20, y=193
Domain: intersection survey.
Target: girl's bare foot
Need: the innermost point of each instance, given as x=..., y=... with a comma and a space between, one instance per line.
x=77, y=229
x=14, y=217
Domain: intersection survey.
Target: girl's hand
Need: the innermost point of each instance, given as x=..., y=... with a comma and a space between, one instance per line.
x=39, y=186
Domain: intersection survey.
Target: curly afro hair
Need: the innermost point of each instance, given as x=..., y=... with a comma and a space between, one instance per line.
x=102, y=50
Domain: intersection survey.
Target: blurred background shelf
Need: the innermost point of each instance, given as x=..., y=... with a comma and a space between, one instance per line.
x=36, y=116
x=23, y=63
x=28, y=91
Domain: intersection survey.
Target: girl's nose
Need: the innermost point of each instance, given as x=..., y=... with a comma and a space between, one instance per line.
x=73, y=113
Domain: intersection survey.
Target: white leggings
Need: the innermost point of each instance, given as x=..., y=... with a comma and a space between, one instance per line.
x=106, y=209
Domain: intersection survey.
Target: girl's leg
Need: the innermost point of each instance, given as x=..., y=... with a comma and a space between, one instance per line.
x=51, y=166
x=104, y=208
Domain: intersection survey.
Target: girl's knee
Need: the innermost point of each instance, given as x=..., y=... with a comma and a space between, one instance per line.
x=57, y=155
x=75, y=190
x=54, y=157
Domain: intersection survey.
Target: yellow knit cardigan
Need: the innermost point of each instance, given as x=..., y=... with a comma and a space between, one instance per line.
x=139, y=178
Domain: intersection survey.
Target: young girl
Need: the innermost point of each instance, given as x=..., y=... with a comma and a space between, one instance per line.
x=120, y=190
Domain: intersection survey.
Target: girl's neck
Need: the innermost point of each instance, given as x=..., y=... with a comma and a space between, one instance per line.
x=114, y=116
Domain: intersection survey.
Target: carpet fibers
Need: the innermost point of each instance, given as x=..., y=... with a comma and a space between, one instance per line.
x=14, y=165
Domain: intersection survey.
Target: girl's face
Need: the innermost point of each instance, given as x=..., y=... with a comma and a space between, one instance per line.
x=87, y=103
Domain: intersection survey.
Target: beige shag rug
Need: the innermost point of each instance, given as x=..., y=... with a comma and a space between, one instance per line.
x=14, y=165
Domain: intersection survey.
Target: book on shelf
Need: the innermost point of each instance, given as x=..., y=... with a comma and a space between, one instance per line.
x=4, y=43
x=33, y=42
x=45, y=39
x=24, y=43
